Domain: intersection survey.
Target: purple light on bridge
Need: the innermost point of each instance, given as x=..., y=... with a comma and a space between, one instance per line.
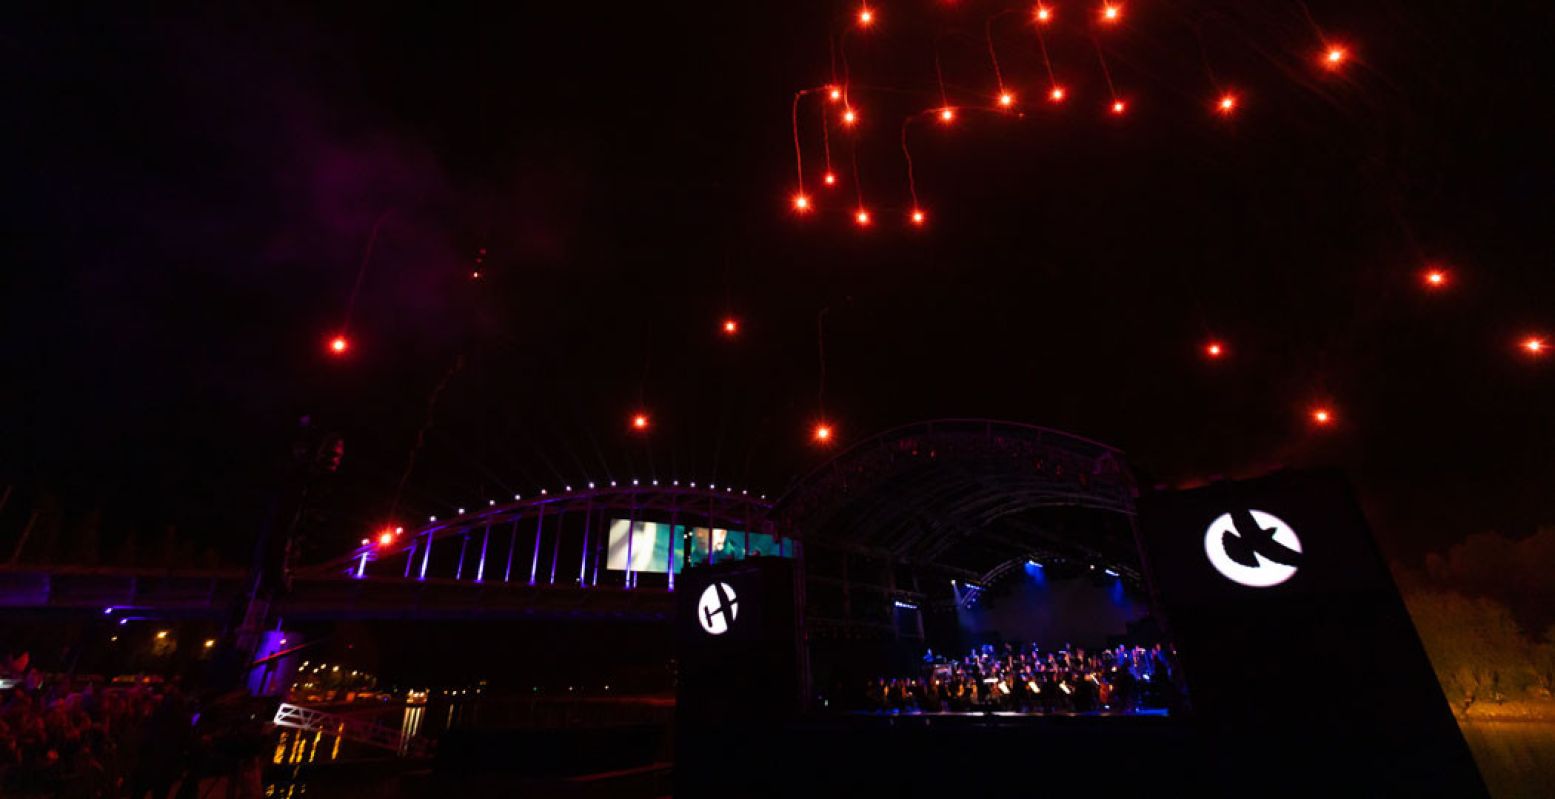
x=107, y=611
x=361, y=567
x=480, y=568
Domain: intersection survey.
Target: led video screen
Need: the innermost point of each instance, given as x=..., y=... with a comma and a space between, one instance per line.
x=648, y=548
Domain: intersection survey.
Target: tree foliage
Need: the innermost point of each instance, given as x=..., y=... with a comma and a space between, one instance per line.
x=1476, y=647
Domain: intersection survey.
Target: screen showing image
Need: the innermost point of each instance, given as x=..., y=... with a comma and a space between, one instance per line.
x=647, y=549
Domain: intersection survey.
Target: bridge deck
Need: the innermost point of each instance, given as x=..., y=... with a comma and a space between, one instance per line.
x=213, y=593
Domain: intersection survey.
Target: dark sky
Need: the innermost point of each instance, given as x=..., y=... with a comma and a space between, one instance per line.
x=188, y=198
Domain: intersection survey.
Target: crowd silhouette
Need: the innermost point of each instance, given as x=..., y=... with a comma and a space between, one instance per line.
x=94, y=741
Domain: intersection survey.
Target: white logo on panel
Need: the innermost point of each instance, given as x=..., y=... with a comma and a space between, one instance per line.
x=717, y=608
x=1253, y=548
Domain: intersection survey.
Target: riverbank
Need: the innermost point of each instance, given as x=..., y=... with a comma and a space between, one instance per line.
x=1514, y=748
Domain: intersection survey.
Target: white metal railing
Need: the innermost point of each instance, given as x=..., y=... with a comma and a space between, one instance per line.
x=360, y=730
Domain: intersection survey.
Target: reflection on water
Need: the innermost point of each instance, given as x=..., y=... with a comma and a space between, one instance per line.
x=1516, y=758
x=410, y=721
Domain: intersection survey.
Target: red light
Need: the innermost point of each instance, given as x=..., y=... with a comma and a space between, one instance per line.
x=1118, y=107
x=475, y=275
x=822, y=433
x=862, y=217
x=1006, y=99
x=830, y=179
x=1214, y=349
x=848, y=117
x=731, y=327
x=338, y=345
x=1227, y=104
x=385, y=538
x=947, y=114
x=1044, y=15
x=1534, y=345
x=1335, y=57
x=1057, y=94
x=835, y=94
x=918, y=217
x=1322, y=416
x=801, y=203
x=1111, y=14
x=640, y=422
x=1435, y=278
x=866, y=17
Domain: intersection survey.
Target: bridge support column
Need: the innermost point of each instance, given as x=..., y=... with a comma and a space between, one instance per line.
x=583, y=555
x=480, y=570
x=534, y=564
x=272, y=670
x=631, y=537
x=674, y=545
x=512, y=545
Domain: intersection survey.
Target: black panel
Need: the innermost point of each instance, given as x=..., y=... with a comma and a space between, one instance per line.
x=1317, y=684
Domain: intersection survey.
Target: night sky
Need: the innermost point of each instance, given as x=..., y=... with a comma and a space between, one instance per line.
x=188, y=199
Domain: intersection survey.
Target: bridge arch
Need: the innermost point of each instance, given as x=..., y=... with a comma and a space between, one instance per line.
x=569, y=538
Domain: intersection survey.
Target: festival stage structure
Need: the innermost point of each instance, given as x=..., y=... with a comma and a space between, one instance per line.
x=925, y=516
x=1253, y=581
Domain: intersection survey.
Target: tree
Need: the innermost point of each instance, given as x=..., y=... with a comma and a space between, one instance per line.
x=1476, y=648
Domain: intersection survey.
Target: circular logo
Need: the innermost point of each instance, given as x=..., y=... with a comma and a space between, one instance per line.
x=1253, y=548
x=716, y=608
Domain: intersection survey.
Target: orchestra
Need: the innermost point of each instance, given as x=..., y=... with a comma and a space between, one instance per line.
x=1122, y=680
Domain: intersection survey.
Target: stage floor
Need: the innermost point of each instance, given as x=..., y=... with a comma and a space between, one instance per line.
x=1089, y=714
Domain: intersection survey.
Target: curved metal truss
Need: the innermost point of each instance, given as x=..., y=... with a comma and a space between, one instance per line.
x=557, y=539
x=896, y=517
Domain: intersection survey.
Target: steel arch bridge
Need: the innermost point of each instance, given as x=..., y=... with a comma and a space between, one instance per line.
x=563, y=540
x=961, y=498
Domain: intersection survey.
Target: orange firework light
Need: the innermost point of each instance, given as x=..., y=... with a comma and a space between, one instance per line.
x=1118, y=107
x=385, y=538
x=1227, y=104
x=918, y=217
x=1534, y=345
x=1057, y=94
x=866, y=17
x=830, y=179
x=1334, y=57
x=862, y=217
x=1322, y=416
x=801, y=203
x=822, y=433
x=947, y=114
x=834, y=93
x=1214, y=349
x=1044, y=15
x=338, y=345
x=1435, y=278
x=848, y=117
x=1006, y=99
x=730, y=326
x=1111, y=14
x=640, y=421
